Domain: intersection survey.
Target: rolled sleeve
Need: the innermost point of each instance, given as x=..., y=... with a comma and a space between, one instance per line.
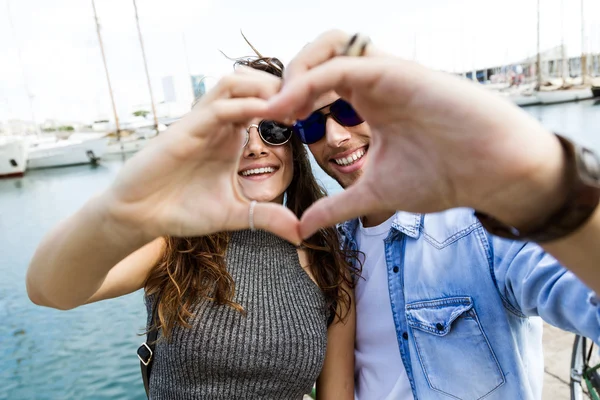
x=536, y=284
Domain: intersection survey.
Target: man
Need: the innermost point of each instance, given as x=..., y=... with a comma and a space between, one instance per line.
x=444, y=308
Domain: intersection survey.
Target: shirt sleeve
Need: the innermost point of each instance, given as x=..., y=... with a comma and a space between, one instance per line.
x=536, y=284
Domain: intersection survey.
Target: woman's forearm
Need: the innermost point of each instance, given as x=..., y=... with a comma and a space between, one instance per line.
x=73, y=260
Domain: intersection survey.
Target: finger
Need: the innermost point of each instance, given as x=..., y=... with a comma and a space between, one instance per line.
x=245, y=70
x=237, y=111
x=343, y=75
x=327, y=46
x=270, y=217
x=354, y=202
x=277, y=219
x=261, y=85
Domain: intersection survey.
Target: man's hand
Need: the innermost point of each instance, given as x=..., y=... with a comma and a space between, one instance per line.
x=438, y=142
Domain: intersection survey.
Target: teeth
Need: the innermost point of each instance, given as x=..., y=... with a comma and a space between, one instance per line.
x=351, y=159
x=257, y=171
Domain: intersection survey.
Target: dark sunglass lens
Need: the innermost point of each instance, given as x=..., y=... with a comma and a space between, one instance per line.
x=345, y=114
x=274, y=133
x=312, y=129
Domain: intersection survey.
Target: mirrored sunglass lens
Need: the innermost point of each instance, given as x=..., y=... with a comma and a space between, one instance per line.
x=274, y=133
x=312, y=129
x=345, y=114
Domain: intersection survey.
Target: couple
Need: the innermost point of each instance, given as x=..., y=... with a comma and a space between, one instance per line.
x=442, y=308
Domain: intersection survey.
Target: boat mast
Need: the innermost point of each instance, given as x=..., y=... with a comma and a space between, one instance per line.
x=584, y=71
x=25, y=83
x=538, y=63
x=563, y=70
x=137, y=21
x=112, y=99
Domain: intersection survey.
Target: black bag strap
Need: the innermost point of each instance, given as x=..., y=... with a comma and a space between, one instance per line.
x=146, y=350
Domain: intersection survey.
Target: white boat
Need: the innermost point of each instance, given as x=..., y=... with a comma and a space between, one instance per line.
x=13, y=156
x=78, y=149
x=125, y=146
x=564, y=95
x=521, y=96
x=523, y=100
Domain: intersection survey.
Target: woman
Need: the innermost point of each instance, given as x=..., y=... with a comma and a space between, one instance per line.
x=243, y=314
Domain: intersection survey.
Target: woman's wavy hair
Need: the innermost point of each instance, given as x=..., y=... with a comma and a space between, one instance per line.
x=193, y=268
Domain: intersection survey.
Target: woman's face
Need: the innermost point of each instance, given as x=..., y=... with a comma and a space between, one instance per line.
x=265, y=171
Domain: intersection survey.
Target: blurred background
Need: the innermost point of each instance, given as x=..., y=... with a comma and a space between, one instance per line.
x=86, y=84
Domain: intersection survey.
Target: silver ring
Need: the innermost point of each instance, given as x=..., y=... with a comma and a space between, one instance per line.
x=251, y=215
x=356, y=46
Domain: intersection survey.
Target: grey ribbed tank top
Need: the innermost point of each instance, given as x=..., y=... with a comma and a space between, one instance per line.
x=276, y=351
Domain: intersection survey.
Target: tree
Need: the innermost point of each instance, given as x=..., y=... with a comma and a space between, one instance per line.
x=141, y=113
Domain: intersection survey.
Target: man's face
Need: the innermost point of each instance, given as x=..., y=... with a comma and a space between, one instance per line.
x=343, y=151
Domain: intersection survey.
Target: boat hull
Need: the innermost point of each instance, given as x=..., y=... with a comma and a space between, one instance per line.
x=564, y=96
x=523, y=101
x=67, y=153
x=13, y=157
x=125, y=147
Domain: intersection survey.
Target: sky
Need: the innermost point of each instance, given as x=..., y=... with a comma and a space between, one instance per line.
x=51, y=50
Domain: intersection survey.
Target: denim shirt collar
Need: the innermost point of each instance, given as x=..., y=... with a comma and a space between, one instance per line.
x=405, y=222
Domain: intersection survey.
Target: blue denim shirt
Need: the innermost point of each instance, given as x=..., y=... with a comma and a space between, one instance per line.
x=471, y=305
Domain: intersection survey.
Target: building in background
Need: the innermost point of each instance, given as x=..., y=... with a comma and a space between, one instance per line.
x=198, y=86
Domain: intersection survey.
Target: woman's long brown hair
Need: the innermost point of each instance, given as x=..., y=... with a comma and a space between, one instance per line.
x=194, y=268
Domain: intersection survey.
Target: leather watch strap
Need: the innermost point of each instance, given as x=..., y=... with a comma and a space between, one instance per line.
x=581, y=201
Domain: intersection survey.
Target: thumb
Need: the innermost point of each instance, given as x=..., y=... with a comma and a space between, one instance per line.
x=328, y=211
x=271, y=217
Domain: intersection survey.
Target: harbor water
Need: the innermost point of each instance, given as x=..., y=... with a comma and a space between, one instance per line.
x=90, y=352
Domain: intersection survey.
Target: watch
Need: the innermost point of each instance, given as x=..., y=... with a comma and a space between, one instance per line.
x=583, y=171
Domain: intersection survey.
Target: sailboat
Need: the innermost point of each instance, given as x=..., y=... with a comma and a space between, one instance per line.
x=596, y=87
x=563, y=92
x=80, y=148
x=13, y=156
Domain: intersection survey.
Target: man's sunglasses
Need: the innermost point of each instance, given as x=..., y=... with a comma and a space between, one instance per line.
x=309, y=130
x=313, y=128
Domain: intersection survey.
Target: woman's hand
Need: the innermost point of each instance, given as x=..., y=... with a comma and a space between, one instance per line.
x=185, y=182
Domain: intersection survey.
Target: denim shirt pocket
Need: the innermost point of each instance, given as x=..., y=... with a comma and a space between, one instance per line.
x=455, y=355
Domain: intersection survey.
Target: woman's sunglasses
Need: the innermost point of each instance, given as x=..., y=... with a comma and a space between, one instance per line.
x=309, y=130
x=271, y=132
x=313, y=128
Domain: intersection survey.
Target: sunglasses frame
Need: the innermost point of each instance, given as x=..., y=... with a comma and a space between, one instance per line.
x=261, y=135
x=335, y=118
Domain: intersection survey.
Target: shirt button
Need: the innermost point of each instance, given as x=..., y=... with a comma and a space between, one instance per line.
x=396, y=269
x=405, y=336
x=439, y=327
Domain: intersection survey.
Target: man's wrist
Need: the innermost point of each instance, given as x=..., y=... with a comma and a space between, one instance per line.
x=572, y=197
x=546, y=186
